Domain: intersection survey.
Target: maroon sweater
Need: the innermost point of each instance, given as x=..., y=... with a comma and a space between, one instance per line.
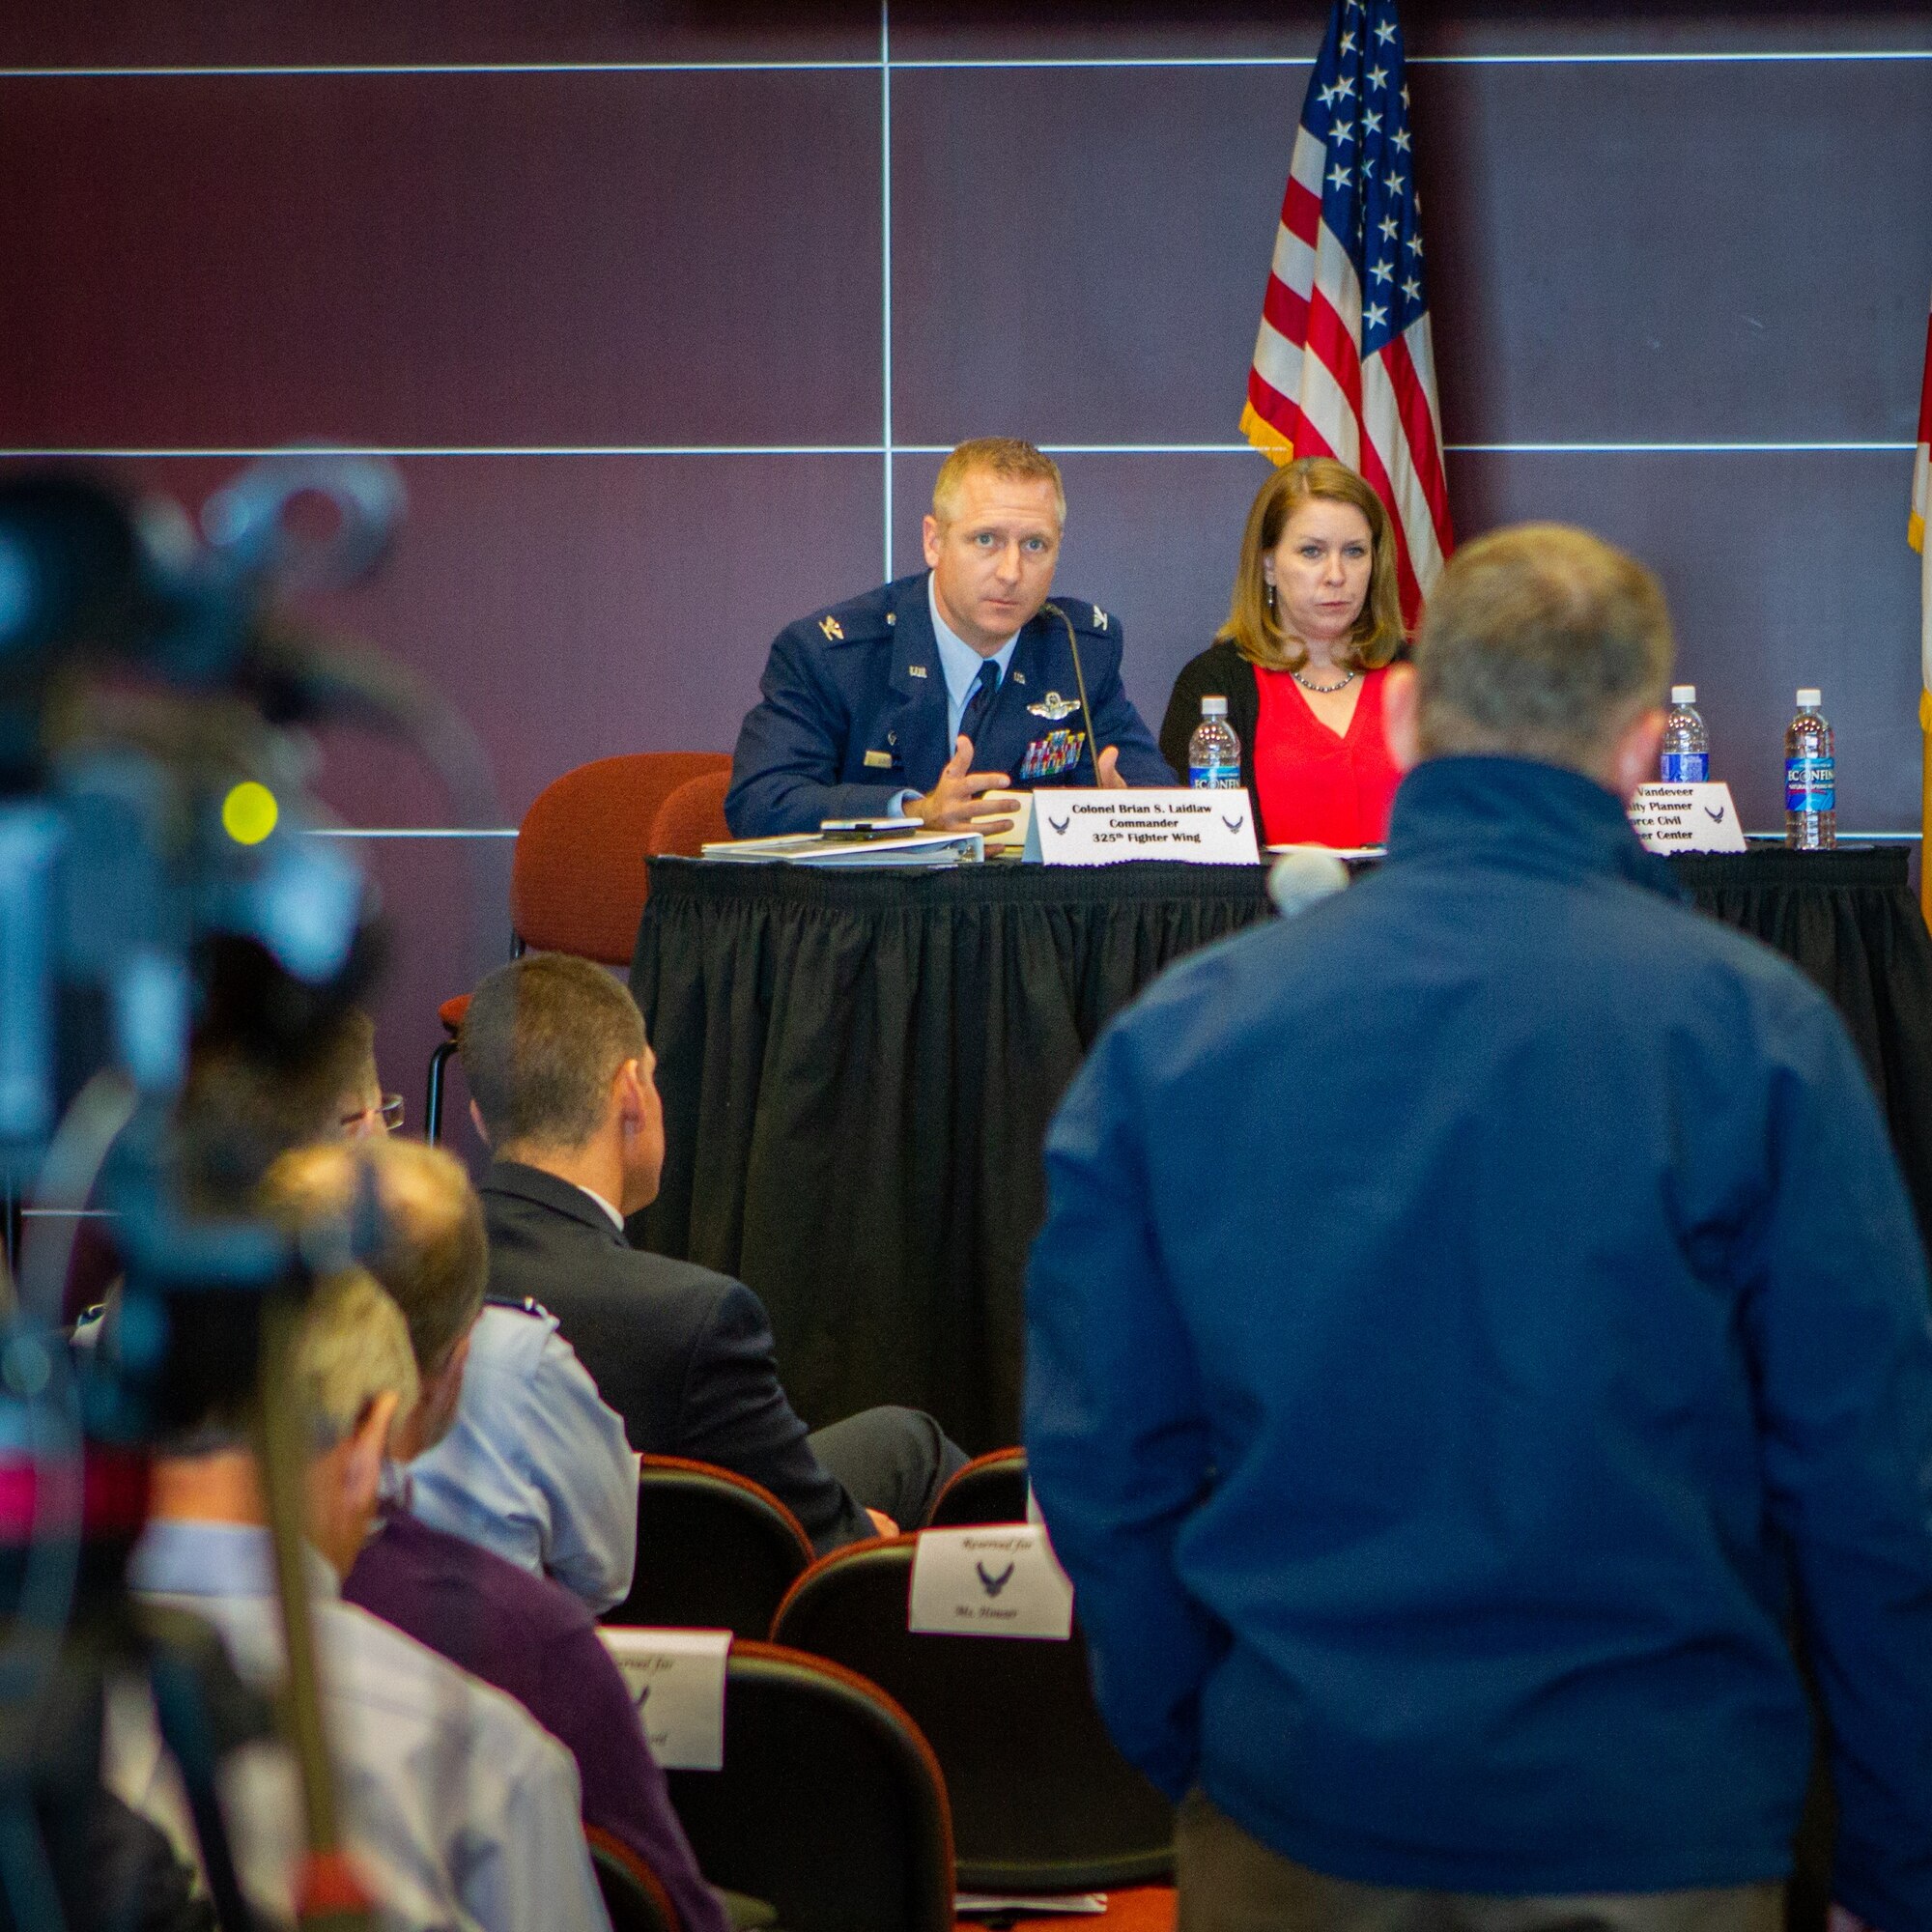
x=531, y=1637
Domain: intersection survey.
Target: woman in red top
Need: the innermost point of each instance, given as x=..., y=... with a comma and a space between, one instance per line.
x=1313, y=623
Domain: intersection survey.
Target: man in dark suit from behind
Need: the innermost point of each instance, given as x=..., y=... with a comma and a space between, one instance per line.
x=561, y=1079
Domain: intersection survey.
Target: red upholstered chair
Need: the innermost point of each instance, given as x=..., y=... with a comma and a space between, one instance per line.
x=578, y=881
x=692, y=817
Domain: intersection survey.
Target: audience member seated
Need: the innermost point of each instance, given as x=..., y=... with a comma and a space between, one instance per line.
x=243, y=1107
x=1303, y=660
x=456, y=1807
x=535, y=1466
x=554, y=1053
x=239, y=1110
x=526, y=1634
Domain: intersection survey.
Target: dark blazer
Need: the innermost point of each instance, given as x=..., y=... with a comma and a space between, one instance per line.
x=854, y=712
x=1219, y=672
x=682, y=1355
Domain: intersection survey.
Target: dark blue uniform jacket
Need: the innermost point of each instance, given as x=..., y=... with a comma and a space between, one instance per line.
x=1463, y=1310
x=854, y=713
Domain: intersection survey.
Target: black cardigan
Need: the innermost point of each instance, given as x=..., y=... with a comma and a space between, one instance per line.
x=1219, y=672
x=1222, y=671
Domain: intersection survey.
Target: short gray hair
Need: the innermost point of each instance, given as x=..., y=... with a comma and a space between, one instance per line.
x=352, y=1346
x=434, y=1262
x=1542, y=642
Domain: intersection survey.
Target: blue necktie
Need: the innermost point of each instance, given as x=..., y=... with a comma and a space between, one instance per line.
x=980, y=702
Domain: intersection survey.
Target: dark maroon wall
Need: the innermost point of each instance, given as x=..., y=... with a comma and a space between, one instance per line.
x=609, y=278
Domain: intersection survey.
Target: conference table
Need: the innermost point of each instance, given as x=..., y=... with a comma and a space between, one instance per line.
x=858, y=1070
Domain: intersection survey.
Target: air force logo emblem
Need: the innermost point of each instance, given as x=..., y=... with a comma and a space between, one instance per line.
x=1054, y=707
x=832, y=629
x=991, y=1584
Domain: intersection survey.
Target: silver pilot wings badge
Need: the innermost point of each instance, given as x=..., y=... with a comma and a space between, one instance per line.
x=1054, y=707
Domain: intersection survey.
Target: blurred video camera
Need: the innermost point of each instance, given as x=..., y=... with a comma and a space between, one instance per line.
x=160, y=888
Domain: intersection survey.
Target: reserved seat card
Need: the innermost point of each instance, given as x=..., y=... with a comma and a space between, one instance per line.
x=994, y=1579
x=1103, y=828
x=1687, y=819
x=676, y=1679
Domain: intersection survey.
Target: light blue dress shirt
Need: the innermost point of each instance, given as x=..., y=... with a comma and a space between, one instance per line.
x=537, y=1466
x=959, y=665
x=458, y=1808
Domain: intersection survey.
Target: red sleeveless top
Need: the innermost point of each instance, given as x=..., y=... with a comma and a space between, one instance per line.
x=1315, y=788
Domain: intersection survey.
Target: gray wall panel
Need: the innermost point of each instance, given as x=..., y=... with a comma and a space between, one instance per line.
x=441, y=259
x=1099, y=281
x=200, y=33
x=1678, y=253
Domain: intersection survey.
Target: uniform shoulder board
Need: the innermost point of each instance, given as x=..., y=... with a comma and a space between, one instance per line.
x=521, y=1304
x=858, y=620
x=1089, y=618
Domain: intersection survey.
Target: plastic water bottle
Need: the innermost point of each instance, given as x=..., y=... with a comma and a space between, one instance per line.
x=1214, y=752
x=1810, y=787
x=1686, y=756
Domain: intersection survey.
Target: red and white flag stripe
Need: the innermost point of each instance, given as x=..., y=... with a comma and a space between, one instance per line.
x=1310, y=392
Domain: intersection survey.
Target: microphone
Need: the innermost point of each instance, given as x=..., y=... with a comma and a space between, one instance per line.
x=1080, y=679
x=1299, y=878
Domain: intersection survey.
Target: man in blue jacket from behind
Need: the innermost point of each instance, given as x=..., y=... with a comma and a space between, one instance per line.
x=932, y=697
x=1476, y=1322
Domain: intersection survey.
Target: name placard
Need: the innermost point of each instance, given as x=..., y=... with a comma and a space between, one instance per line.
x=1102, y=828
x=999, y=1580
x=1687, y=819
x=1020, y=811
x=676, y=1679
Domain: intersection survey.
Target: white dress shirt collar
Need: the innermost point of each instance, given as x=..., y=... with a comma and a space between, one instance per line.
x=616, y=1219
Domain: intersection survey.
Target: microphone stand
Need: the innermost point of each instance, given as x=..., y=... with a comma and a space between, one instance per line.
x=1079, y=680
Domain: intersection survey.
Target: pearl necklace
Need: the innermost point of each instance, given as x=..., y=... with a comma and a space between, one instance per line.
x=1323, y=690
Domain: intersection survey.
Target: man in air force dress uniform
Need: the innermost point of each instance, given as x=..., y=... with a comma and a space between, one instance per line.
x=924, y=697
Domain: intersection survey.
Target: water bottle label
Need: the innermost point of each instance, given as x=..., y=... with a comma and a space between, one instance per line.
x=1808, y=785
x=1685, y=768
x=1214, y=778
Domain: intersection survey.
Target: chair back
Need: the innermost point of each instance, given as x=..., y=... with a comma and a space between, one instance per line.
x=715, y=1550
x=578, y=881
x=692, y=817
x=829, y=1806
x=633, y=1896
x=989, y=1488
x=1042, y=1799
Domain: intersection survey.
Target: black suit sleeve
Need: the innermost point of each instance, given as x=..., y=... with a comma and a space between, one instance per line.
x=735, y=1413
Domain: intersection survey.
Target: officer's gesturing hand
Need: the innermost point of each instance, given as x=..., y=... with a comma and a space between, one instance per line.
x=958, y=802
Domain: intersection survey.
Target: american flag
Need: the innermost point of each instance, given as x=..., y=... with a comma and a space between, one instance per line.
x=1343, y=366
x=1921, y=513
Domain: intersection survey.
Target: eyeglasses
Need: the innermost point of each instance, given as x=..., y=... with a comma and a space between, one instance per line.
x=389, y=1112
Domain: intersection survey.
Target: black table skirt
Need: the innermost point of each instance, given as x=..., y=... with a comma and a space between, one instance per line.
x=858, y=1070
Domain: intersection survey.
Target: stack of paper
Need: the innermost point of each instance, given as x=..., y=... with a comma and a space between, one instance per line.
x=1074, y=1904
x=918, y=850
